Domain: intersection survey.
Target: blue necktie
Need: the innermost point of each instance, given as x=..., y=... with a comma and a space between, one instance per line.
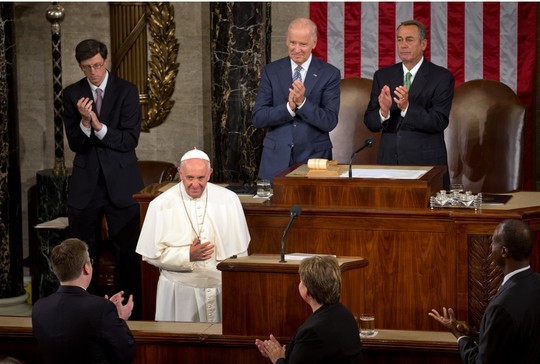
x=297, y=75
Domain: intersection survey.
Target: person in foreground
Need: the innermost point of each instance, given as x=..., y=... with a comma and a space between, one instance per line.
x=102, y=117
x=187, y=230
x=509, y=330
x=297, y=103
x=331, y=334
x=410, y=103
x=74, y=326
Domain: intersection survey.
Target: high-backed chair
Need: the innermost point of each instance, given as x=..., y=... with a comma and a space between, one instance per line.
x=485, y=137
x=156, y=171
x=351, y=132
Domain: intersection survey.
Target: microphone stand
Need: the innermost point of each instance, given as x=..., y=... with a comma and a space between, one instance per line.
x=295, y=212
x=368, y=143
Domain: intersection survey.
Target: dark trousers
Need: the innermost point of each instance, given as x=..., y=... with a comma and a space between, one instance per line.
x=123, y=229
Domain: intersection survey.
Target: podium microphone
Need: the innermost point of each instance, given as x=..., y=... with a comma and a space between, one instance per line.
x=295, y=212
x=367, y=143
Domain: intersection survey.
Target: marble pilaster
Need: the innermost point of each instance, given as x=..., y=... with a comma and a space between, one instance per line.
x=11, y=265
x=52, y=203
x=238, y=40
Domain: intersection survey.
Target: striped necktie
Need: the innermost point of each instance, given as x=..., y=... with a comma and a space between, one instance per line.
x=407, y=82
x=297, y=75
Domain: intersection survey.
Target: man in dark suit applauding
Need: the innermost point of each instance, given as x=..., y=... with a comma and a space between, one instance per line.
x=73, y=326
x=297, y=102
x=509, y=330
x=102, y=116
x=410, y=103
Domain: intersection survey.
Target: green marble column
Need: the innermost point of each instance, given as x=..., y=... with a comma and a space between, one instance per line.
x=11, y=265
x=52, y=203
x=239, y=46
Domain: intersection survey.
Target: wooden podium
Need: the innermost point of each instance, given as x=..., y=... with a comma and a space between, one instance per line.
x=260, y=295
x=294, y=186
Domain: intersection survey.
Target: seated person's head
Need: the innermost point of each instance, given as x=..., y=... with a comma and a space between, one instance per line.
x=69, y=258
x=321, y=276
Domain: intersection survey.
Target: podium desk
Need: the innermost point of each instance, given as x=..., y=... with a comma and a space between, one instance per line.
x=302, y=186
x=260, y=294
x=419, y=258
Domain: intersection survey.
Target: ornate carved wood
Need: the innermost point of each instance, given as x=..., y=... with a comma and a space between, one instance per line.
x=485, y=277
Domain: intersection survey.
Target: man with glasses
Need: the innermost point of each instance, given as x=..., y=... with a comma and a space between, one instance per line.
x=102, y=117
x=73, y=326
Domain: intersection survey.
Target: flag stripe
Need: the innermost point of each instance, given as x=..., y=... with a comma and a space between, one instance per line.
x=319, y=11
x=370, y=53
x=387, y=34
x=474, y=40
x=439, y=34
x=335, y=35
x=352, y=28
x=422, y=13
x=491, y=45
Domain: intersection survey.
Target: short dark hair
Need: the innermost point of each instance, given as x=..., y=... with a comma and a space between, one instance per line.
x=89, y=48
x=421, y=27
x=68, y=259
x=321, y=276
x=517, y=237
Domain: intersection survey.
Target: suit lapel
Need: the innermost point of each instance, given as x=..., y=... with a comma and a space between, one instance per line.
x=108, y=99
x=510, y=282
x=420, y=80
x=312, y=75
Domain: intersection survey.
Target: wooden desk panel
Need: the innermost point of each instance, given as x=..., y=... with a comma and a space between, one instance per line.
x=293, y=187
x=260, y=295
x=200, y=343
x=419, y=258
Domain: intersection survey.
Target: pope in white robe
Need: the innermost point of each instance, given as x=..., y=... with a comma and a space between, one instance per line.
x=187, y=230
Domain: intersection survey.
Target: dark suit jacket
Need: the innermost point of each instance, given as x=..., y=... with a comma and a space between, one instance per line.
x=115, y=154
x=291, y=140
x=510, y=328
x=73, y=326
x=418, y=138
x=330, y=335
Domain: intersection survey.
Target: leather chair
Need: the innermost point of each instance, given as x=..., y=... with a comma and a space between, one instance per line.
x=351, y=132
x=485, y=137
x=156, y=171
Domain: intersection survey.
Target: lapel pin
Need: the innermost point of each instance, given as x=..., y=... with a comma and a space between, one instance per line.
x=314, y=75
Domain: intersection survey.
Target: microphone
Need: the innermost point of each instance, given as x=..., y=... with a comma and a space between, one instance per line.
x=367, y=143
x=295, y=212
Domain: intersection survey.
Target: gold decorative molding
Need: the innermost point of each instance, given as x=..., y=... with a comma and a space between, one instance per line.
x=163, y=65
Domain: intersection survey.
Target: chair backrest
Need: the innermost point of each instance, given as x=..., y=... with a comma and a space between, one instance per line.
x=156, y=171
x=351, y=132
x=485, y=137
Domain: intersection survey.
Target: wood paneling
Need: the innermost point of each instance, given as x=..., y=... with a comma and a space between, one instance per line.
x=260, y=295
x=419, y=258
x=166, y=343
x=356, y=192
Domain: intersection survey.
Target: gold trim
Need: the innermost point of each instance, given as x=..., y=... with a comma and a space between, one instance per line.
x=163, y=65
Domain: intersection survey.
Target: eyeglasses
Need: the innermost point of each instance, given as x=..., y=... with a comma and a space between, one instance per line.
x=95, y=67
x=91, y=261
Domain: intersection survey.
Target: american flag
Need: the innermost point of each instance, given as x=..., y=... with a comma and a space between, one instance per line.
x=474, y=40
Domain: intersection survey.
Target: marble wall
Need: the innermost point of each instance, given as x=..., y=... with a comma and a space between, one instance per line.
x=190, y=121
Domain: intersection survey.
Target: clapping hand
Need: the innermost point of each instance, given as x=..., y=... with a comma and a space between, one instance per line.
x=124, y=311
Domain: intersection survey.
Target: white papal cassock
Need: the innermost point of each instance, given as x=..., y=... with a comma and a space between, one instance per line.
x=191, y=291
